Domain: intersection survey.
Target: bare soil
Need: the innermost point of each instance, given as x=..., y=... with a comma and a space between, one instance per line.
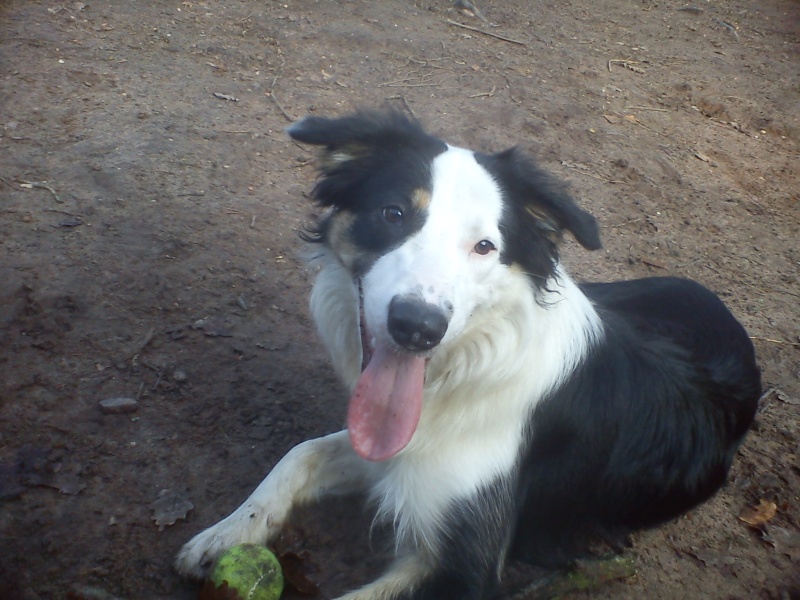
x=150, y=206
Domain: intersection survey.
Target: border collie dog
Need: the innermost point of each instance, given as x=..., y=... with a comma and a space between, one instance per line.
x=498, y=409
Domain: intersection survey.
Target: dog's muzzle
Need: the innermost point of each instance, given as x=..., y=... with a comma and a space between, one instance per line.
x=415, y=324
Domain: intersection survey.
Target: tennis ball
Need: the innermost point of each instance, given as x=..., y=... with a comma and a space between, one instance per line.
x=252, y=570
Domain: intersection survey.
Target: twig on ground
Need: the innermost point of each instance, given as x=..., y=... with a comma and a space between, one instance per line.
x=278, y=102
x=584, y=171
x=411, y=76
x=414, y=85
x=730, y=28
x=623, y=224
x=779, y=342
x=635, y=121
x=158, y=380
x=627, y=63
x=652, y=263
x=137, y=348
x=42, y=185
x=489, y=33
x=767, y=394
x=405, y=103
x=646, y=108
x=63, y=212
x=488, y=94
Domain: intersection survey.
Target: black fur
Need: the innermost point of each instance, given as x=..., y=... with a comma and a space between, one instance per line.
x=539, y=209
x=477, y=532
x=370, y=161
x=647, y=427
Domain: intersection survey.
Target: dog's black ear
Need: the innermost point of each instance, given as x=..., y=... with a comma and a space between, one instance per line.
x=360, y=134
x=542, y=200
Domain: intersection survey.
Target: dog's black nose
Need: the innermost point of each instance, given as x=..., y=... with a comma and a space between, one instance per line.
x=416, y=325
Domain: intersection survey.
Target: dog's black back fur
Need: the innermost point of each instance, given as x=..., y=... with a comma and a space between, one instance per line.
x=647, y=428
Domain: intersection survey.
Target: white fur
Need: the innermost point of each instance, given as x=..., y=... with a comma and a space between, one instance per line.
x=335, y=308
x=478, y=395
x=439, y=264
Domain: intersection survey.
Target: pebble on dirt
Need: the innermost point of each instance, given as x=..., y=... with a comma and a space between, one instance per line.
x=117, y=406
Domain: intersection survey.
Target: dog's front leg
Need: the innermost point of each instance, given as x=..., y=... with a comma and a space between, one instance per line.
x=326, y=465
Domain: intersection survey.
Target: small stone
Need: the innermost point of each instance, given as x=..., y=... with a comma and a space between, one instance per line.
x=180, y=376
x=118, y=406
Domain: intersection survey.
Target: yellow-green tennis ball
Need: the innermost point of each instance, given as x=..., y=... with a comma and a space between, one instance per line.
x=252, y=570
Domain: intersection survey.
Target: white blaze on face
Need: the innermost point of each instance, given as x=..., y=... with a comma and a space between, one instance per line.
x=437, y=265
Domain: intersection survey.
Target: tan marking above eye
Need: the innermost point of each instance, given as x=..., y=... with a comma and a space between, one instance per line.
x=421, y=199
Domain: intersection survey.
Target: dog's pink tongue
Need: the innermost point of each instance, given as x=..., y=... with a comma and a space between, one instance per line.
x=386, y=404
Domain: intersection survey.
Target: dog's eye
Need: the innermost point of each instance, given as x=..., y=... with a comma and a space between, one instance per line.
x=393, y=214
x=484, y=247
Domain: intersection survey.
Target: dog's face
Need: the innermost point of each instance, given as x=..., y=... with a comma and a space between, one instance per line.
x=431, y=234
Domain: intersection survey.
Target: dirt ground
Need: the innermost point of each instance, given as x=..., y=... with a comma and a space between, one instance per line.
x=150, y=206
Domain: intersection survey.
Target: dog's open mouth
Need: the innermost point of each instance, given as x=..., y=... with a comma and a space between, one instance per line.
x=387, y=401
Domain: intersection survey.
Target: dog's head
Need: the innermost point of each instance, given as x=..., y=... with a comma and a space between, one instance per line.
x=431, y=234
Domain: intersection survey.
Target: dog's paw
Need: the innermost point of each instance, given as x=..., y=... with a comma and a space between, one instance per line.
x=196, y=557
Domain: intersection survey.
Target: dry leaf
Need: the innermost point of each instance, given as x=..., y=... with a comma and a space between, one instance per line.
x=169, y=508
x=756, y=516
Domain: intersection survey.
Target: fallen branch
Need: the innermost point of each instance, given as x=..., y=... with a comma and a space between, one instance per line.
x=489, y=33
x=40, y=185
x=771, y=341
x=646, y=108
x=413, y=85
